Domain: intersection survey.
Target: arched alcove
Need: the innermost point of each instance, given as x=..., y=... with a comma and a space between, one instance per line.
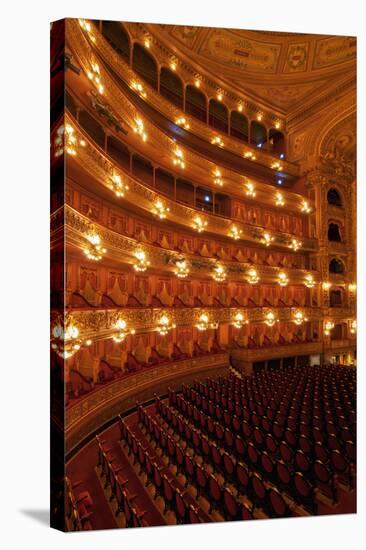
x=171, y=87
x=116, y=35
x=218, y=116
x=336, y=266
x=145, y=65
x=239, y=126
x=333, y=197
x=276, y=142
x=334, y=233
x=196, y=104
x=336, y=297
x=258, y=134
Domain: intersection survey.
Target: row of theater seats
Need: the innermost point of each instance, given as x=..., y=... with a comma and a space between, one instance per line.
x=79, y=507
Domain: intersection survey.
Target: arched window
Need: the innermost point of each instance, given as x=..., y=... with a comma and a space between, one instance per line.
x=336, y=266
x=276, y=142
x=334, y=234
x=116, y=35
x=145, y=65
x=196, y=103
x=218, y=116
x=171, y=87
x=258, y=134
x=333, y=197
x=335, y=298
x=239, y=127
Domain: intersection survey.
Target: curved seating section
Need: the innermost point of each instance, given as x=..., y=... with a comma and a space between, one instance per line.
x=275, y=444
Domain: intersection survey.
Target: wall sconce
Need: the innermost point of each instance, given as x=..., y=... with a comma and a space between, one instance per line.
x=217, y=141
x=147, y=42
x=219, y=95
x=305, y=207
x=276, y=166
x=142, y=263
x=352, y=287
x=267, y=239
x=295, y=244
x=240, y=107
x=139, y=129
x=173, y=65
x=278, y=125
x=94, y=76
x=138, y=88
x=219, y=273
x=66, y=140
x=122, y=331
x=182, y=270
x=299, y=318
x=309, y=281
x=178, y=159
x=249, y=155
x=326, y=285
x=199, y=224
x=117, y=185
x=65, y=339
x=94, y=251
x=87, y=28
x=197, y=82
x=253, y=277
x=282, y=279
x=250, y=189
x=204, y=324
x=218, y=178
x=164, y=325
x=259, y=117
x=235, y=233
x=280, y=201
x=239, y=321
x=353, y=328
x=329, y=325
x=181, y=121
x=270, y=319
x=160, y=209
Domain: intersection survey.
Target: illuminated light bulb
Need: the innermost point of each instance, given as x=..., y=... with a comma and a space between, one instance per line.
x=299, y=318
x=65, y=339
x=282, y=279
x=139, y=129
x=65, y=141
x=253, y=276
x=267, y=239
x=182, y=270
x=239, y=320
x=173, y=65
x=199, y=224
x=329, y=325
x=160, y=209
x=250, y=189
x=117, y=186
x=219, y=273
x=85, y=25
x=218, y=178
x=164, y=325
x=235, y=233
x=181, y=121
x=240, y=107
x=219, y=95
x=280, y=201
x=178, y=159
x=217, y=141
x=121, y=331
x=94, y=76
x=259, y=117
x=305, y=207
x=88, y=342
x=94, y=251
x=309, y=281
x=278, y=125
x=352, y=287
x=204, y=323
x=147, y=43
x=295, y=244
x=326, y=285
x=197, y=83
x=138, y=88
x=270, y=319
x=249, y=155
x=276, y=166
x=353, y=328
x=142, y=263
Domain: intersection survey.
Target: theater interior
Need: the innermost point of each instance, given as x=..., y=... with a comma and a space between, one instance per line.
x=203, y=277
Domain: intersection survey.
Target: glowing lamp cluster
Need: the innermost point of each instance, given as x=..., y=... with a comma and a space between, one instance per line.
x=295, y=244
x=160, y=209
x=94, y=76
x=270, y=319
x=218, y=178
x=239, y=321
x=199, y=224
x=353, y=327
x=299, y=318
x=86, y=26
x=249, y=155
x=66, y=141
x=305, y=207
x=219, y=273
x=139, y=129
x=138, y=88
x=276, y=166
x=352, y=287
x=205, y=324
x=328, y=327
x=282, y=279
x=65, y=339
x=182, y=269
x=216, y=140
x=280, y=201
x=121, y=331
x=164, y=325
x=326, y=285
x=182, y=121
x=267, y=239
x=94, y=251
x=178, y=159
x=117, y=186
x=141, y=261
x=252, y=277
x=250, y=189
x=309, y=281
x=235, y=233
